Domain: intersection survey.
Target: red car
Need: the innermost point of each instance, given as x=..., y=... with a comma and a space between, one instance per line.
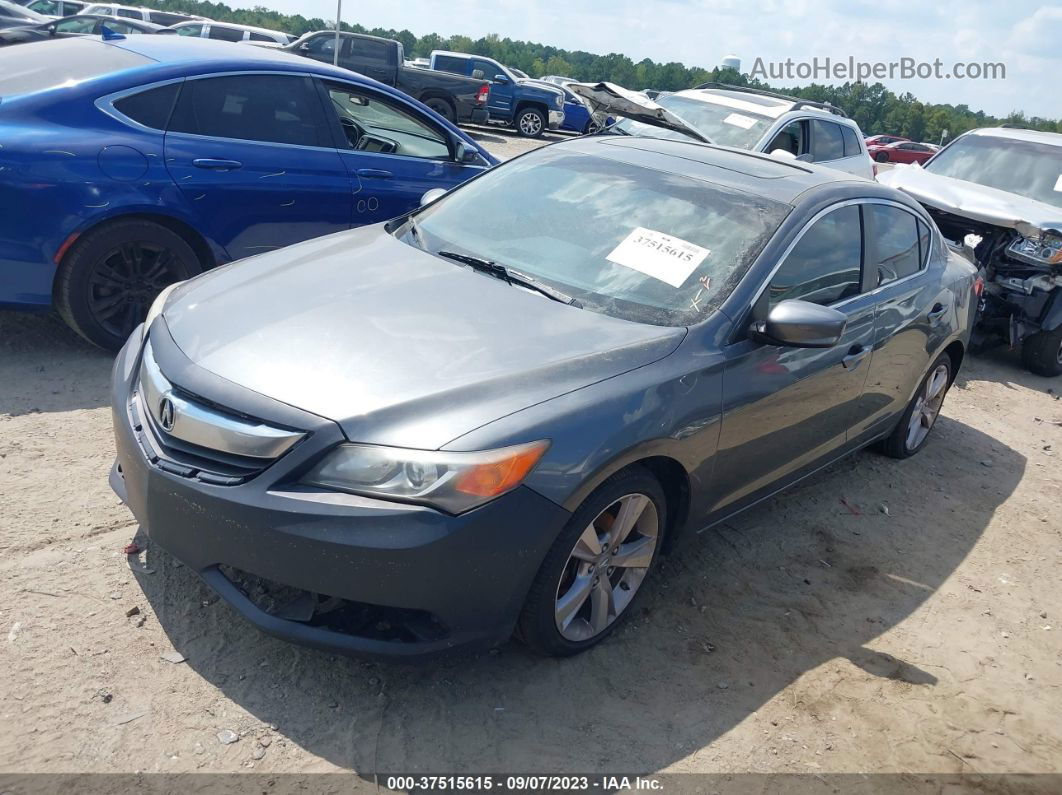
x=881, y=140
x=902, y=152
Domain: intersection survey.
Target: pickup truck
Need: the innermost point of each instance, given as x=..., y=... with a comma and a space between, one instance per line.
x=460, y=100
x=530, y=107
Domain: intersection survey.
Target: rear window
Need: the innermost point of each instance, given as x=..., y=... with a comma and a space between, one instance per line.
x=151, y=108
x=25, y=70
x=448, y=63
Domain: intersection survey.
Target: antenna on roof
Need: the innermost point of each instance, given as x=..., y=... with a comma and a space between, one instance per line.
x=110, y=35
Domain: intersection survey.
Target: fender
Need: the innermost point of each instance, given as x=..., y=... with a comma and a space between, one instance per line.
x=1052, y=316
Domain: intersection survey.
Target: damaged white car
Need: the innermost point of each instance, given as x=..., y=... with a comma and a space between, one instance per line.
x=737, y=116
x=998, y=193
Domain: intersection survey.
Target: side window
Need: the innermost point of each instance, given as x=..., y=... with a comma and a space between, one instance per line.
x=48, y=7
x=827, y=141
x=790, y=139
x=76, y=25
x=225, y=34
x=130, y=13
x=375, y=53
x=162, y=18
x=261, y=37
x=824, y=266
x=923, y=241
x=271, y=108
x=373, y=124
x=190, y=30
x=152, y=107
x=324, y=47
x=449, y=63
x=124, y=28
x=489, y=69
x=71, y=8
x=895, y=251
x=851, y=142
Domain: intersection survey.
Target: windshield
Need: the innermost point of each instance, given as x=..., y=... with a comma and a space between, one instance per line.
x=1027, y=168
x=13, y=10
x=721, y=124
x=625, y=240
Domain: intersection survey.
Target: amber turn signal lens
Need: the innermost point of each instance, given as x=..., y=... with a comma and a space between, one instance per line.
x=497, y=477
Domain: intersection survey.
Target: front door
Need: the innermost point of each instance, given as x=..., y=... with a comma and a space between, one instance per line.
x=500, y=100
x=253, y=156
x=787, y=410
x=393, y=151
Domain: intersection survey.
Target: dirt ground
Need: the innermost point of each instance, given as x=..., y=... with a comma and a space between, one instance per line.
x=883, y=616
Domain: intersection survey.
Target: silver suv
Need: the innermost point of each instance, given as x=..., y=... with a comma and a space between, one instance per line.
x=746, y=118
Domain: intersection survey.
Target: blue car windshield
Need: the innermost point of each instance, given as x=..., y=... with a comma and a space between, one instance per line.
x=625, y=240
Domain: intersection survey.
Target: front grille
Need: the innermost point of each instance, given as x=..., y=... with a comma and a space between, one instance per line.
x=189, y=460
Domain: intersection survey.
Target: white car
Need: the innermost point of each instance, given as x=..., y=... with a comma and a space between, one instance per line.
x=138, y=12
x=228, y=31
x=745, y=118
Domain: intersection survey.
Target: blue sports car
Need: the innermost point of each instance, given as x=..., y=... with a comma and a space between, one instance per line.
x=129, y=164
x=577, y=116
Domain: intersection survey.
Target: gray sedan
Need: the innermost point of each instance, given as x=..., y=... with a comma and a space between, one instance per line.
x=426, y=434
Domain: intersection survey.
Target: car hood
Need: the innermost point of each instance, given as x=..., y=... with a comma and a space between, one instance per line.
x=1028, y=217
x=396, y=345
x=608, y=99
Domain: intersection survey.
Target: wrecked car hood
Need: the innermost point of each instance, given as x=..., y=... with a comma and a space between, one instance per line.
x=608, y=99
x=1027, y=217
x=396, y=345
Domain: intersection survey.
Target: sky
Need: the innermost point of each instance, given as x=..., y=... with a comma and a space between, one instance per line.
x=1024, y=35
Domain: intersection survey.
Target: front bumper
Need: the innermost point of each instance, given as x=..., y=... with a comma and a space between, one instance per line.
x=468, y=574
x=556, y=119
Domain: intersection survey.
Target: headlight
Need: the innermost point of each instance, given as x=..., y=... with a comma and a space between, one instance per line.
x=453, y=482
x=156, y=308
x=559, y=101
x=1043, y=251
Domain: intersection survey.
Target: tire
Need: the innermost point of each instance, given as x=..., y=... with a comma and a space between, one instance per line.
x=905, y=439
x=597, y=601
x=530, y=122
x=881, y=157
x=1042, y=352
x=443, y=108
x=591, y=127
x=110, y=276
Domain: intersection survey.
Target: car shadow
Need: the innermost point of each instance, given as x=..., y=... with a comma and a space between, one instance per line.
x=1002, y=365
x=736, y=614
x=46, y=367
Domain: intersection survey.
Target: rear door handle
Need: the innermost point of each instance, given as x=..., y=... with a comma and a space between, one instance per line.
x=936, y=314
x=856, y=354
x=217, y=165
x=374, y=173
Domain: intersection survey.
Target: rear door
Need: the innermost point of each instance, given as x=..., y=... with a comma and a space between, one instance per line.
x=375, y=59
x=393, y=151
x=788, y=410
x=254, y=159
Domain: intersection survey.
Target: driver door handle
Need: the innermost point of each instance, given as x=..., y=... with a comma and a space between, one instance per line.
x=374, y=173
x=936, y=314
x=217, y=165
x=856, y=354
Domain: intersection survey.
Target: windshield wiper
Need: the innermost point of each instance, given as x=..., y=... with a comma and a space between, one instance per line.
x=511, y=276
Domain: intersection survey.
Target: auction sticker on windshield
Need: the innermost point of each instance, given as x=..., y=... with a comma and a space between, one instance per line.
x=669, y=259
x=738, y=120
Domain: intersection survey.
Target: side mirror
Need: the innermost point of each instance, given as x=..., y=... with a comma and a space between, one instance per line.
x=463, y=153
x=501, y=79
x=432, y=195
x=800, y=324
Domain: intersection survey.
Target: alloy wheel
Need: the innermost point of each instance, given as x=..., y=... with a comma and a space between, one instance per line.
x=927, y=407
x=606, y=567
x=125, y=281
x=530, y=124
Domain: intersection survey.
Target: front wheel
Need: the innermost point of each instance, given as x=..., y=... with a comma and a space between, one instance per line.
x=111, y=275
x=530, y=122
x=921, y=415
x=1042, y=352
x=881, y=157
x=595, y=569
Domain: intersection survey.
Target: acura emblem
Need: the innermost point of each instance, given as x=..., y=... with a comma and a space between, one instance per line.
x=167, y=413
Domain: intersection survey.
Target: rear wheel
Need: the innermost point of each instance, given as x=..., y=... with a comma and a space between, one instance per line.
x=881, y=157
x=530, y=122
x=110, y=276
x=595, y=570
x=921, y=415
x=1042, y=352
x=443, y=108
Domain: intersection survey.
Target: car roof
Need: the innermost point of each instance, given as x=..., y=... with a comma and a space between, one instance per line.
x=231, y=25
x=748, y=102
x=763, y=175
x=1019, y=134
